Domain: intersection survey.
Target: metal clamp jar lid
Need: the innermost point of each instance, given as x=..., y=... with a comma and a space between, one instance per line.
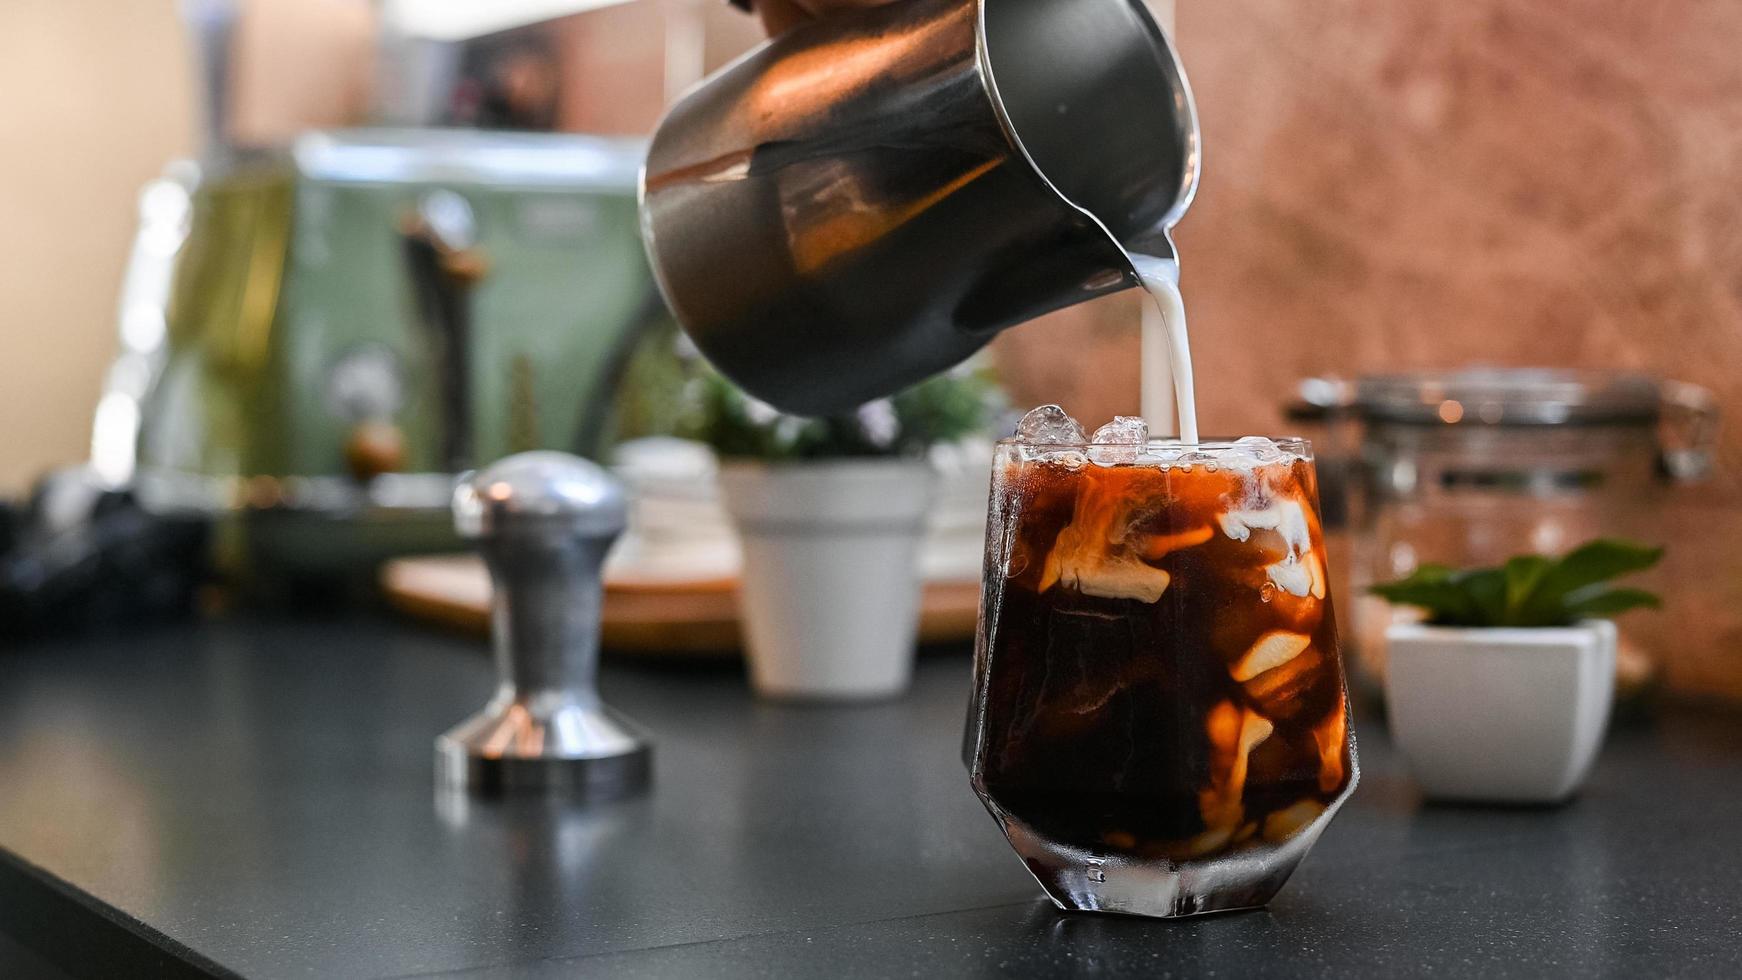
x=1686, y=415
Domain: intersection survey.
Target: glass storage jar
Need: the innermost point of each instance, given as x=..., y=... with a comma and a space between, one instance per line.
x=1471, y=467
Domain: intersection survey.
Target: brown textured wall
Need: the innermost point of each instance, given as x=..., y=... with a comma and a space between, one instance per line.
x=1409, y=185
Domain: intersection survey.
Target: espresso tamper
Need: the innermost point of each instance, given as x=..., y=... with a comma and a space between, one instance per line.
x=543, y=521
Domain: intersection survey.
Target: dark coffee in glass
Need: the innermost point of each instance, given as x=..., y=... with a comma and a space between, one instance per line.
x=1159, y=721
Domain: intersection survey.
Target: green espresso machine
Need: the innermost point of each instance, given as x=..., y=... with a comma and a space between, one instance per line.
x=316, y=339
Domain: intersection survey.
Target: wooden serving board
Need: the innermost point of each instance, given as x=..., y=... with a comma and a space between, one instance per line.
x=685, y=618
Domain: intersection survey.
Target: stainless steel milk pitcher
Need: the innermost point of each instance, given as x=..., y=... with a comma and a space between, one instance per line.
x=868, y=199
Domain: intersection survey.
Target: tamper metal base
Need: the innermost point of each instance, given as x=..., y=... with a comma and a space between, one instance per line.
x=587, y=754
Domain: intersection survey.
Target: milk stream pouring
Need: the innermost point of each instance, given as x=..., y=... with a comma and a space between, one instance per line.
x=1167, y=353
x=869, y=198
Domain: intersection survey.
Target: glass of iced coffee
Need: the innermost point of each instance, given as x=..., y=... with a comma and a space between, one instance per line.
x=1159, y=722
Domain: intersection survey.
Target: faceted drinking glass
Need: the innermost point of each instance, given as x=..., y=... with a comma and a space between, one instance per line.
x=1159, y=721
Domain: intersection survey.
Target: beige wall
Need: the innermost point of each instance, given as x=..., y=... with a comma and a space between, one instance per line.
x=100, y=97
x=97, y=101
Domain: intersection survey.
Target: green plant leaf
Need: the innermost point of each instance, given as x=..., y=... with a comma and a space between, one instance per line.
x=1431, y=572
x=1439, y=599
x=944, y=408
x=1487, y=590
x=1609, y=602
x=1582, y=571
x=1431, y=588
x=1523, y=575
x=1529, y=590
x=1600, y=561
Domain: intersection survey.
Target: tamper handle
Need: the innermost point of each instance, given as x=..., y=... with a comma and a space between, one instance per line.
x=548, y=598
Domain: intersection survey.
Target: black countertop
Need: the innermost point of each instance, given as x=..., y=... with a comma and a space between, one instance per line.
x=258, y=797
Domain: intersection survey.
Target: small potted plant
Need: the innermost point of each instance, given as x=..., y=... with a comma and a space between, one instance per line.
x=831, y=513
x=1502, y=693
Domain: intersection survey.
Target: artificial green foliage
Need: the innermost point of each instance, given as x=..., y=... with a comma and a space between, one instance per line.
x=942, y=409
x=1530, y=590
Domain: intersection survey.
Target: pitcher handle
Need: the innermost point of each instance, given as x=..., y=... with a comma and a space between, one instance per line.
x=1688, y=431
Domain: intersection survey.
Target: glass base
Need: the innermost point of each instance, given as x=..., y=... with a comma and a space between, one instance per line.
x=1078, y=880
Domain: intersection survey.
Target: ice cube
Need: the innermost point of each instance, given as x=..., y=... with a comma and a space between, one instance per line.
x=1124, y=430
x=1114, y=578
x=1286, y=690
x=1234, y=732
x=1120, y=440
x=1158, y=455
x=1193, y=457
x=1330, y=736
x=1283, y=824
x=1286, y=517
x=1292, y=576
x=1155, y=547
x=1050, y=425
x=1299, y=578
x=1266, y=450
x=1272, y=650
x=1068, y=459
x=1082, y=559
x=1251, y=452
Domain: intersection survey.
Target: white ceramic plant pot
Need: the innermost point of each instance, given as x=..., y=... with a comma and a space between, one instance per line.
x=1500, y=715
x=831, y=588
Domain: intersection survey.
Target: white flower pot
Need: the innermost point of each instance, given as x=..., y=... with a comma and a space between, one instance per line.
x=1500, y=715
x=831, y=587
